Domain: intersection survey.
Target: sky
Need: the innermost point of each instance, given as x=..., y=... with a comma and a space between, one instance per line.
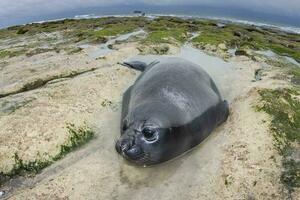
x=17, y=11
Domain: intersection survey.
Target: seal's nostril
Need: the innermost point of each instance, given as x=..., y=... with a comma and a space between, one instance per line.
x=126, y=145
x=134, y=153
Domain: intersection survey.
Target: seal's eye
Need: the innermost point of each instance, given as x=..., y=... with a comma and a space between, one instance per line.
x=149, y=134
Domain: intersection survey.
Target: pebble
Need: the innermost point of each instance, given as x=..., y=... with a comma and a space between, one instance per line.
x=2, y=193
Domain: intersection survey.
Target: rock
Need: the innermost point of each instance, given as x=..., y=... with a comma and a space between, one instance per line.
x=291, y=46
x=39, y=51
x=3, y=64
x=210, y=47
x=10, y=105
x=161, y=49
x=2, y=194
x=237, y=33
x=106, y=103
x=100, y=58
x=110, y=46
x=221, y=25
x=241, y=52
x=250, y=197
x=193, y=27
x=257, y=74
x=259, y=59
x=212, y=24
x=222, y=46
x=98, y=39
x=200, y=46
x=22, y=31
x=156, y=49
x=243, y=36
x=137, y=12
x=74, y=50
x=295, y=80
x=295, y=155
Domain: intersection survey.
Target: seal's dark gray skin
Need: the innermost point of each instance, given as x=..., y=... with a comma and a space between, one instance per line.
x=172, y=107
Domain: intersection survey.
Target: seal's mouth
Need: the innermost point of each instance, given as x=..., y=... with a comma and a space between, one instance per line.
x=132, y=152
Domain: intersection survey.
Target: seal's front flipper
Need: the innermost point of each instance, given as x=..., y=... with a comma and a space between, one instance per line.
x=138, y=65
x=125, y=104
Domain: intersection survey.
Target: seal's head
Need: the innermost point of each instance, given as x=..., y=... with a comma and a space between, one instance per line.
x=143, y=143
x=147, y=138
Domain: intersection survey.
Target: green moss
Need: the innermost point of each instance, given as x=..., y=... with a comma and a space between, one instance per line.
x=228, y=180
x=294, y=71
x=166, y=36
x=284, y=108
x=291, y=174
x=78, y=136
x=22, y=31
x=4, y=54
x=289, y=69
x=73, y=50
x=251, y=37
x=106, y=27
x=40, y=50
x=215, y=37
x=171, y=23
x=30, y=167
x=10, y=54
x=115, y=29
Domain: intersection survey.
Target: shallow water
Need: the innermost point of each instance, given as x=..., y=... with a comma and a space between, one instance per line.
x=292, y=60
x=103, y=49
x=182, y=178
x=271, y=54
x=220, y=71
x=232, y=51
x=267, y=53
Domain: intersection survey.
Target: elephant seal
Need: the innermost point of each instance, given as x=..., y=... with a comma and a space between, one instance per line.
x=172, y=107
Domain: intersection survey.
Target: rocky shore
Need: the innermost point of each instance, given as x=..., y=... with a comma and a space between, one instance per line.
x=60, y=98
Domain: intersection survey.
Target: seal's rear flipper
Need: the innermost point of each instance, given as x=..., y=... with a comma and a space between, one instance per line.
x=138, y=65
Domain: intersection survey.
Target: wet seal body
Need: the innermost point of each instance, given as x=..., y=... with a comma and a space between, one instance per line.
x=172, y=107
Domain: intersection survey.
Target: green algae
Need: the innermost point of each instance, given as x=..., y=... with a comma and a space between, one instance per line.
x=77, y=137
x=284, y=108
